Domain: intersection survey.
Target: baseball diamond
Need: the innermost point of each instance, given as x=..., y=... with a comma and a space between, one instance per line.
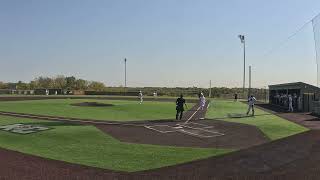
x=221, y=136
x=159, y=90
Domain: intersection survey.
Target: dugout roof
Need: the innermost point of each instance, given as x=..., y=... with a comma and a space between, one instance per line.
x=295, y=85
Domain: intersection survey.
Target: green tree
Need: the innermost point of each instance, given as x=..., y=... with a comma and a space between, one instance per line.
x=22, y=86
x=96, y=86
x=70, y=82
x=44, y=82
x=81, y=84
x=60, y=82
x=3, y=85
x=33, y=85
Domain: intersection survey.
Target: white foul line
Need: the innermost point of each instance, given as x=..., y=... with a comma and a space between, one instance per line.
x=193, y=115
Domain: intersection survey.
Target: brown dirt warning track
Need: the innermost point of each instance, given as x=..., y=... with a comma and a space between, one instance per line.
x=292, y=158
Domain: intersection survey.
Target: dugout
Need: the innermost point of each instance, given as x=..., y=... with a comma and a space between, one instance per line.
x=303, y=95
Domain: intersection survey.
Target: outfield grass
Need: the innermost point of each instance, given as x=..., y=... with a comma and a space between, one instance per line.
x=121, y=111
x=89, y=146
x=271, y=125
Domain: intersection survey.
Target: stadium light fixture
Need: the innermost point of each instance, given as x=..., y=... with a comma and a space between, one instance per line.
x=242, y=39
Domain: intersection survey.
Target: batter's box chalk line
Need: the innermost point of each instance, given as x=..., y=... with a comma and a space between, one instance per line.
x=193, y=129
x=162, y=128
x=195, y=125
x=201, y=133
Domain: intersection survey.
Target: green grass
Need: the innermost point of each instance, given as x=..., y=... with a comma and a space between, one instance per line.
x=121, y=111
x=89, y=146
x=271, y=125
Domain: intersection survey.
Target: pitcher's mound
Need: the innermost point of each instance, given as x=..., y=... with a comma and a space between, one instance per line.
x=92, y=104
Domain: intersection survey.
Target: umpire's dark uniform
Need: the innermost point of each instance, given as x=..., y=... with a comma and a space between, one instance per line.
x=179, y=107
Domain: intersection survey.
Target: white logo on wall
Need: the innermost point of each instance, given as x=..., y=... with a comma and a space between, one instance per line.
x=23, y=128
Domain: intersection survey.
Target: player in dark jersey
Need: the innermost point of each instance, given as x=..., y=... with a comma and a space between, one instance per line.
x=180, y=102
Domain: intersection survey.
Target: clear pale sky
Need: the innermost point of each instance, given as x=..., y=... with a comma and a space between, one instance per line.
x=166, y=42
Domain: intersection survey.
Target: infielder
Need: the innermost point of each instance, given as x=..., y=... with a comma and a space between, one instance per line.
x=141, y=97
x=251, y=102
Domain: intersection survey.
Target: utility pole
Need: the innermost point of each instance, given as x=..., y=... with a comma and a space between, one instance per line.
x=210, y=90
x=125, y=76
x=242, y=39
x=249, y=93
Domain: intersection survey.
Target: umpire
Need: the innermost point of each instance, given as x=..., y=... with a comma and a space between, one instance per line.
x=180, y=102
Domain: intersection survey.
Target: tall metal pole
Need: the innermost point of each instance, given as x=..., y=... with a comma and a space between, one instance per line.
x=125, y=76
x=210, y=90
x=244, y=64
x=125, y=72
x=315, y=46
x=243, y=41
x=249, y=93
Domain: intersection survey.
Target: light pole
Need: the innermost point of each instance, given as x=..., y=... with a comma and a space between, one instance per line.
x=249, y=93
x=242, y=39
x=125, y=76
x=210, y=90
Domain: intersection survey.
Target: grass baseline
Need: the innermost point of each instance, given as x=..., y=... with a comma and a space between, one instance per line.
x=187, y=129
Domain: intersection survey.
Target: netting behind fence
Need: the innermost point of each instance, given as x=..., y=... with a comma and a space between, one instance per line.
x=316, y=32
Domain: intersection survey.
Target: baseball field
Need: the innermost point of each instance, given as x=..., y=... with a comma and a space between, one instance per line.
x=122, y=138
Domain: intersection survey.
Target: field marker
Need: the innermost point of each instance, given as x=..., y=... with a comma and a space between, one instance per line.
x=178, y=127
x=189, y=125
x=202, y=136
x=153, y=128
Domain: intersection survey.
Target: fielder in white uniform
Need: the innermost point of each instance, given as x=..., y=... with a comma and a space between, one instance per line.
x=141, y=97
x=251, y=102
x=202, y=101
x=290, y=103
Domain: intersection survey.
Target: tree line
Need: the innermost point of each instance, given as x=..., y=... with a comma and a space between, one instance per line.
x=98, y=88
x=57, y=82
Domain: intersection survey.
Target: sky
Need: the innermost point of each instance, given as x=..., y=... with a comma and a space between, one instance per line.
x=173, y=43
